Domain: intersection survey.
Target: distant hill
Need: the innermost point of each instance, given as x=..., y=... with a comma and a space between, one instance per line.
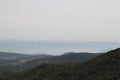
x=8, y=57
x=11, y=56
x=68, y=58
x=11, y=61
x=71, y=57
x=103, y=67
x=17, y=62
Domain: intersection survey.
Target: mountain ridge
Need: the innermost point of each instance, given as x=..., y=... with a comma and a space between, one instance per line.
x=103, y=67
x=19, y=62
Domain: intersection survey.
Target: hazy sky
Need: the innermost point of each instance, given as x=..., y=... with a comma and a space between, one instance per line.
x=72, y=20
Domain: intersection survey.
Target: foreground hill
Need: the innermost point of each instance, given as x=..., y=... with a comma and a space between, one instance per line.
x=104, y=67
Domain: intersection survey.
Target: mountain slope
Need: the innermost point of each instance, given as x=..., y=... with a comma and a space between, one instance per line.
x=104, y=67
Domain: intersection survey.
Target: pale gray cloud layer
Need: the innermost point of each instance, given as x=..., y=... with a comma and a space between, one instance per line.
x=77, y=20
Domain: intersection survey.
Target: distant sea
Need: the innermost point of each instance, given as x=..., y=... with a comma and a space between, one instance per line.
x=55, y=47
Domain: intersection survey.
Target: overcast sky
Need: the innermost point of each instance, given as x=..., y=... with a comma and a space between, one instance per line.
x=69, y=20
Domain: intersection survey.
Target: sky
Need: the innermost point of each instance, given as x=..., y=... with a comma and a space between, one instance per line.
x=60, y=20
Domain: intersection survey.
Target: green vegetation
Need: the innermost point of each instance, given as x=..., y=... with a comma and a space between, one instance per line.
x=104, y=67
